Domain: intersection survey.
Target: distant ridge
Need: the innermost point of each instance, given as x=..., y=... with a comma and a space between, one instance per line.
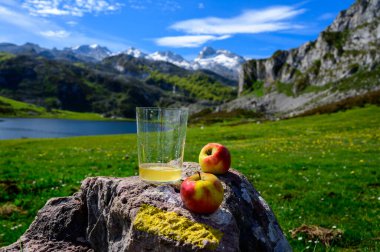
x=222, y=62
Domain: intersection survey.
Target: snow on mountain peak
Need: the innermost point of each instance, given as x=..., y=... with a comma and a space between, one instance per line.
x=135, y=53
x=93, y=51
x=207, y=51
x=166, y=56
x=170, y=57
x=222, y=62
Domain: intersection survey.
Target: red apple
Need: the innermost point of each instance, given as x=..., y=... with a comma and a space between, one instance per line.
x=215, y=158
x=202, y=193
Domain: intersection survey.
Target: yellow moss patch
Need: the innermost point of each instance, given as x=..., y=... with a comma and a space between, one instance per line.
x=153, y=220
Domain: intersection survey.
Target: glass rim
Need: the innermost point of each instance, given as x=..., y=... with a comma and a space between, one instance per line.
x=161, y=108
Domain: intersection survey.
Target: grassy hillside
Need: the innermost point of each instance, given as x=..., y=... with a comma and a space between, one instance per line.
x=320, y=170
x=12, y=108
x=197, y=85
x=6, y=56
x=113, y=87
x=76, y=87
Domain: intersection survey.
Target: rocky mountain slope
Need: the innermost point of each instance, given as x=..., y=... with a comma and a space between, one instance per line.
x=223, y=62
x=170, y=57
x=94, y=51
x=343, y=61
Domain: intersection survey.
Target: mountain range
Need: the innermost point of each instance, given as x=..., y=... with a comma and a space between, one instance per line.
x=222, y=62
x=82, y=79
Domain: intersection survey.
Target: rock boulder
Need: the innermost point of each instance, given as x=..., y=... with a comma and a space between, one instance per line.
x=127, y=214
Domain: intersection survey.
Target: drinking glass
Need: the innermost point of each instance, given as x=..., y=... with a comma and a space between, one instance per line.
x=161, y=134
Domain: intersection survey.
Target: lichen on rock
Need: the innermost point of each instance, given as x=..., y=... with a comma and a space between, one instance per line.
x=173, y=226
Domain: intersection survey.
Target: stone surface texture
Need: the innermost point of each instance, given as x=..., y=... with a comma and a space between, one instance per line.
x=100, y=217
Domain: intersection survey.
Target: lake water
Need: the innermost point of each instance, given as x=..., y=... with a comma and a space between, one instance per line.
x=12, y=128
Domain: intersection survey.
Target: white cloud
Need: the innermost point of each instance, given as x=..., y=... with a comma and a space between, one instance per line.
x=17, y=26
x=55, y=34
x=29, y=24
x=199, y=31
x=22, y=27
x=18, y=19
x=250, y=21
x=188, y=41
x=69, y=7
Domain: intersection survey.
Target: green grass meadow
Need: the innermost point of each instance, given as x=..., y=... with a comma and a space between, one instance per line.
x=320, y=170
x=13, y=108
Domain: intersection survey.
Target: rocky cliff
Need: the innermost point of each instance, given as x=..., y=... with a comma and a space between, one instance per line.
x=347, y=52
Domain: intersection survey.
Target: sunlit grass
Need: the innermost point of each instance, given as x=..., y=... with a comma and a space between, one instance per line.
x=13, y=108
x=320, y=170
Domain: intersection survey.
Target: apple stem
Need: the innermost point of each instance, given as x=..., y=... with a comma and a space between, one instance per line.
x=199, y=174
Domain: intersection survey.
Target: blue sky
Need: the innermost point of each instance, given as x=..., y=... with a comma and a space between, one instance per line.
x=253, y=29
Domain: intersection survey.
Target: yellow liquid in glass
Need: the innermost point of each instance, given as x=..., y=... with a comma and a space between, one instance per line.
x=156, y=172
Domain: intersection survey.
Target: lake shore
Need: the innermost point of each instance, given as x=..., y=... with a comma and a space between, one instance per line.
x=16, y=128
x=10, y=108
